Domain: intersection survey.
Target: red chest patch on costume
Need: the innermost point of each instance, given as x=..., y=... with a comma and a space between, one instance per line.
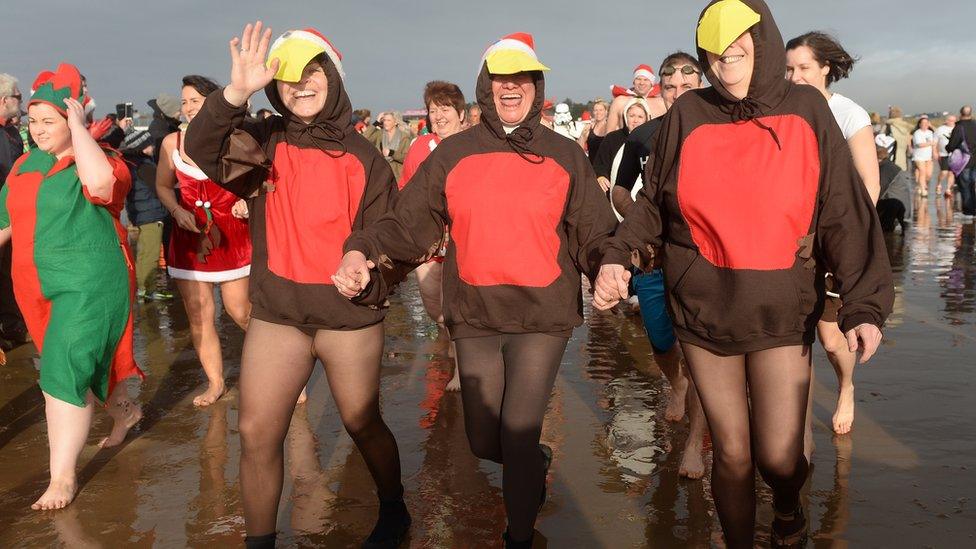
x=746, y=201
x=505, y=214
x=311, y=211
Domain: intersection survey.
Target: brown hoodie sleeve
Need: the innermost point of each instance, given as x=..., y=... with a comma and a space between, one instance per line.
x=589, y=220
x=411, y=230
x=852, y=244
x=227, y=146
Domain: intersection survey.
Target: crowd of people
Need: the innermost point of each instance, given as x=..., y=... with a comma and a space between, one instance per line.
x=307, y=217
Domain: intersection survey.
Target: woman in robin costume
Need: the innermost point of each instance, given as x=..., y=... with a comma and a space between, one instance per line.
x=72, y=272
x=311, y=180
x=751, y=195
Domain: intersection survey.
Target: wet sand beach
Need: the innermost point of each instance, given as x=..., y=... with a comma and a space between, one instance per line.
x=903, y=478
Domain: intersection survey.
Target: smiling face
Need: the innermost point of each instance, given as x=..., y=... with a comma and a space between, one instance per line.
x=924, y=124
x=513, y=95
x=599, y=112
x=643, y=85
x=636, y=115
x=389, y=122
x=445, y=121
x=802, y=67
x=49, y=129
x=674, y=85
x=306, y=98
x=734, y=67
x=190, y=102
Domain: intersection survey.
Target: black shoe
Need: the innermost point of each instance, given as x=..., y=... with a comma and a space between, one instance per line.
x=512, y=544
x=788, y=530
x=546, y=463
x=266, y=541
x=391, y=527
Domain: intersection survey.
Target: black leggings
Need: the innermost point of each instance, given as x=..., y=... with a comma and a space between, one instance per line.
x=506, y=381
x=756, y=407
x=276, y=364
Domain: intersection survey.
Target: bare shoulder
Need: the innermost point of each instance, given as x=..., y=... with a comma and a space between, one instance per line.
x=169, y=142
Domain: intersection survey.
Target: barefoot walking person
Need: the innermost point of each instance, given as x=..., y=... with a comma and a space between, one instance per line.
x=311, y=180
x=819, y=60
x=72, y=272
x=752, y=194
x=209, y=246
x=526, y=217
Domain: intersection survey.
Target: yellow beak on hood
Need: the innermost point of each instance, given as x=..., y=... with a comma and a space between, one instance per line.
x=293, y=55
x=504, y=61
x=723, y=23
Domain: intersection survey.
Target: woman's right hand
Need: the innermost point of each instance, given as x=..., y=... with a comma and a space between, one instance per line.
x=248, y=73
x=186, y=220
x=610, y=286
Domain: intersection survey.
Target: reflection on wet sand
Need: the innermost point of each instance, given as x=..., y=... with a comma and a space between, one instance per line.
x=897, y=479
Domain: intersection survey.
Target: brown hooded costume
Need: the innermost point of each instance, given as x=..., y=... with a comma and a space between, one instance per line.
x=310, y=186
x=750, y=201
x=526, y=217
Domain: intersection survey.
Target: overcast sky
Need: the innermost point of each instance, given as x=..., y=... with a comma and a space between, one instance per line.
x=134, y=49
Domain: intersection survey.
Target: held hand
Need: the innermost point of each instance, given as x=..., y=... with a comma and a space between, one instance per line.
x=76, y=115
x=248, y=73
x=610, y=286
x=604, y=183
x=865, y=338
x=186, y=220
x=240, y=210
x=352, y=276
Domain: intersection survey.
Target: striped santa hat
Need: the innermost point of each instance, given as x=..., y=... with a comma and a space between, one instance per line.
x=295, y=48
x=512, y=54
x=647, y=72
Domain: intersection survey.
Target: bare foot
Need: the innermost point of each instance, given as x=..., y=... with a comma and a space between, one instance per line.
x=454, y=385
x=302, y=397
x=212, y=394
x=57, y=496
x=125, y=414
x=692, y=465
x=844, y=414
x=676, y=400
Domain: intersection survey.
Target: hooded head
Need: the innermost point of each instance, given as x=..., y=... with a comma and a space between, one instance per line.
x=295, y=50
x=720, y=24
x=512, y=56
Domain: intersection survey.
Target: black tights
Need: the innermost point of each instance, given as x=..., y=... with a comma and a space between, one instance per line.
x=506, y=381
x=276, y=364
x=756, y=407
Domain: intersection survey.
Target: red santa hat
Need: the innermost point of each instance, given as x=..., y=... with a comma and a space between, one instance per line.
x=646, y=71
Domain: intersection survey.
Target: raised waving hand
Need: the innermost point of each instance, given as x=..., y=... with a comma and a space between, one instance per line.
x=248, y=73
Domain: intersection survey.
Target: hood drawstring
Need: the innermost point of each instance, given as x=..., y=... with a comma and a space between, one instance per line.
x=519, y=140
x=327, y=133
x=747, y=110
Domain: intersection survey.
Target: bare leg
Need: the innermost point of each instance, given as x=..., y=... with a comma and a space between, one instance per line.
x=843, y=361
x=198, y=298
x=236, y=301
x=721, y=385
x=67, y=431
x=125, y=414
x=431, y=290
x=692, y=465
x=276, y=363
x=670, y=364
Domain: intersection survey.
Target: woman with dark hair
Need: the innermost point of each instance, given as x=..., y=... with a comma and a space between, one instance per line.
x=445, y=113
x=817, y=59
x=526, y=218
x=750, y=194
x=311, y=180
x=923, y=150
x=209, y=245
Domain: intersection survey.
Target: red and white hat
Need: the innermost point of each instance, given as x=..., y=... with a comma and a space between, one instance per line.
x=647, y=72
x=512, y=54
x=295, y=48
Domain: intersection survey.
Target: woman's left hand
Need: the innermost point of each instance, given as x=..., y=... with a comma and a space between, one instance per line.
x=76, y=115
x=240, y=209
x=865, y=338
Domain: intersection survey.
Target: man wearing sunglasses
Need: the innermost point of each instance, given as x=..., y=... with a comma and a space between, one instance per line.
x=680, y=72
x=12, y=328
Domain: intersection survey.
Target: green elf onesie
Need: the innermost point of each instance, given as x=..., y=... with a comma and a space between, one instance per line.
x=72, y=268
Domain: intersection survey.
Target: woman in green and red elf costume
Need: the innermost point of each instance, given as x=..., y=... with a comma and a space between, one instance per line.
x=72, y=272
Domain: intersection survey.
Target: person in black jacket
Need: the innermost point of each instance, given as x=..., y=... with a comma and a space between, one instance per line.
x=12, y=328
x=145, y=212
x=166, y=120
x=965, y=130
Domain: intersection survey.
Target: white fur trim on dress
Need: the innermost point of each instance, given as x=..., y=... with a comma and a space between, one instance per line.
x=208, y=276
